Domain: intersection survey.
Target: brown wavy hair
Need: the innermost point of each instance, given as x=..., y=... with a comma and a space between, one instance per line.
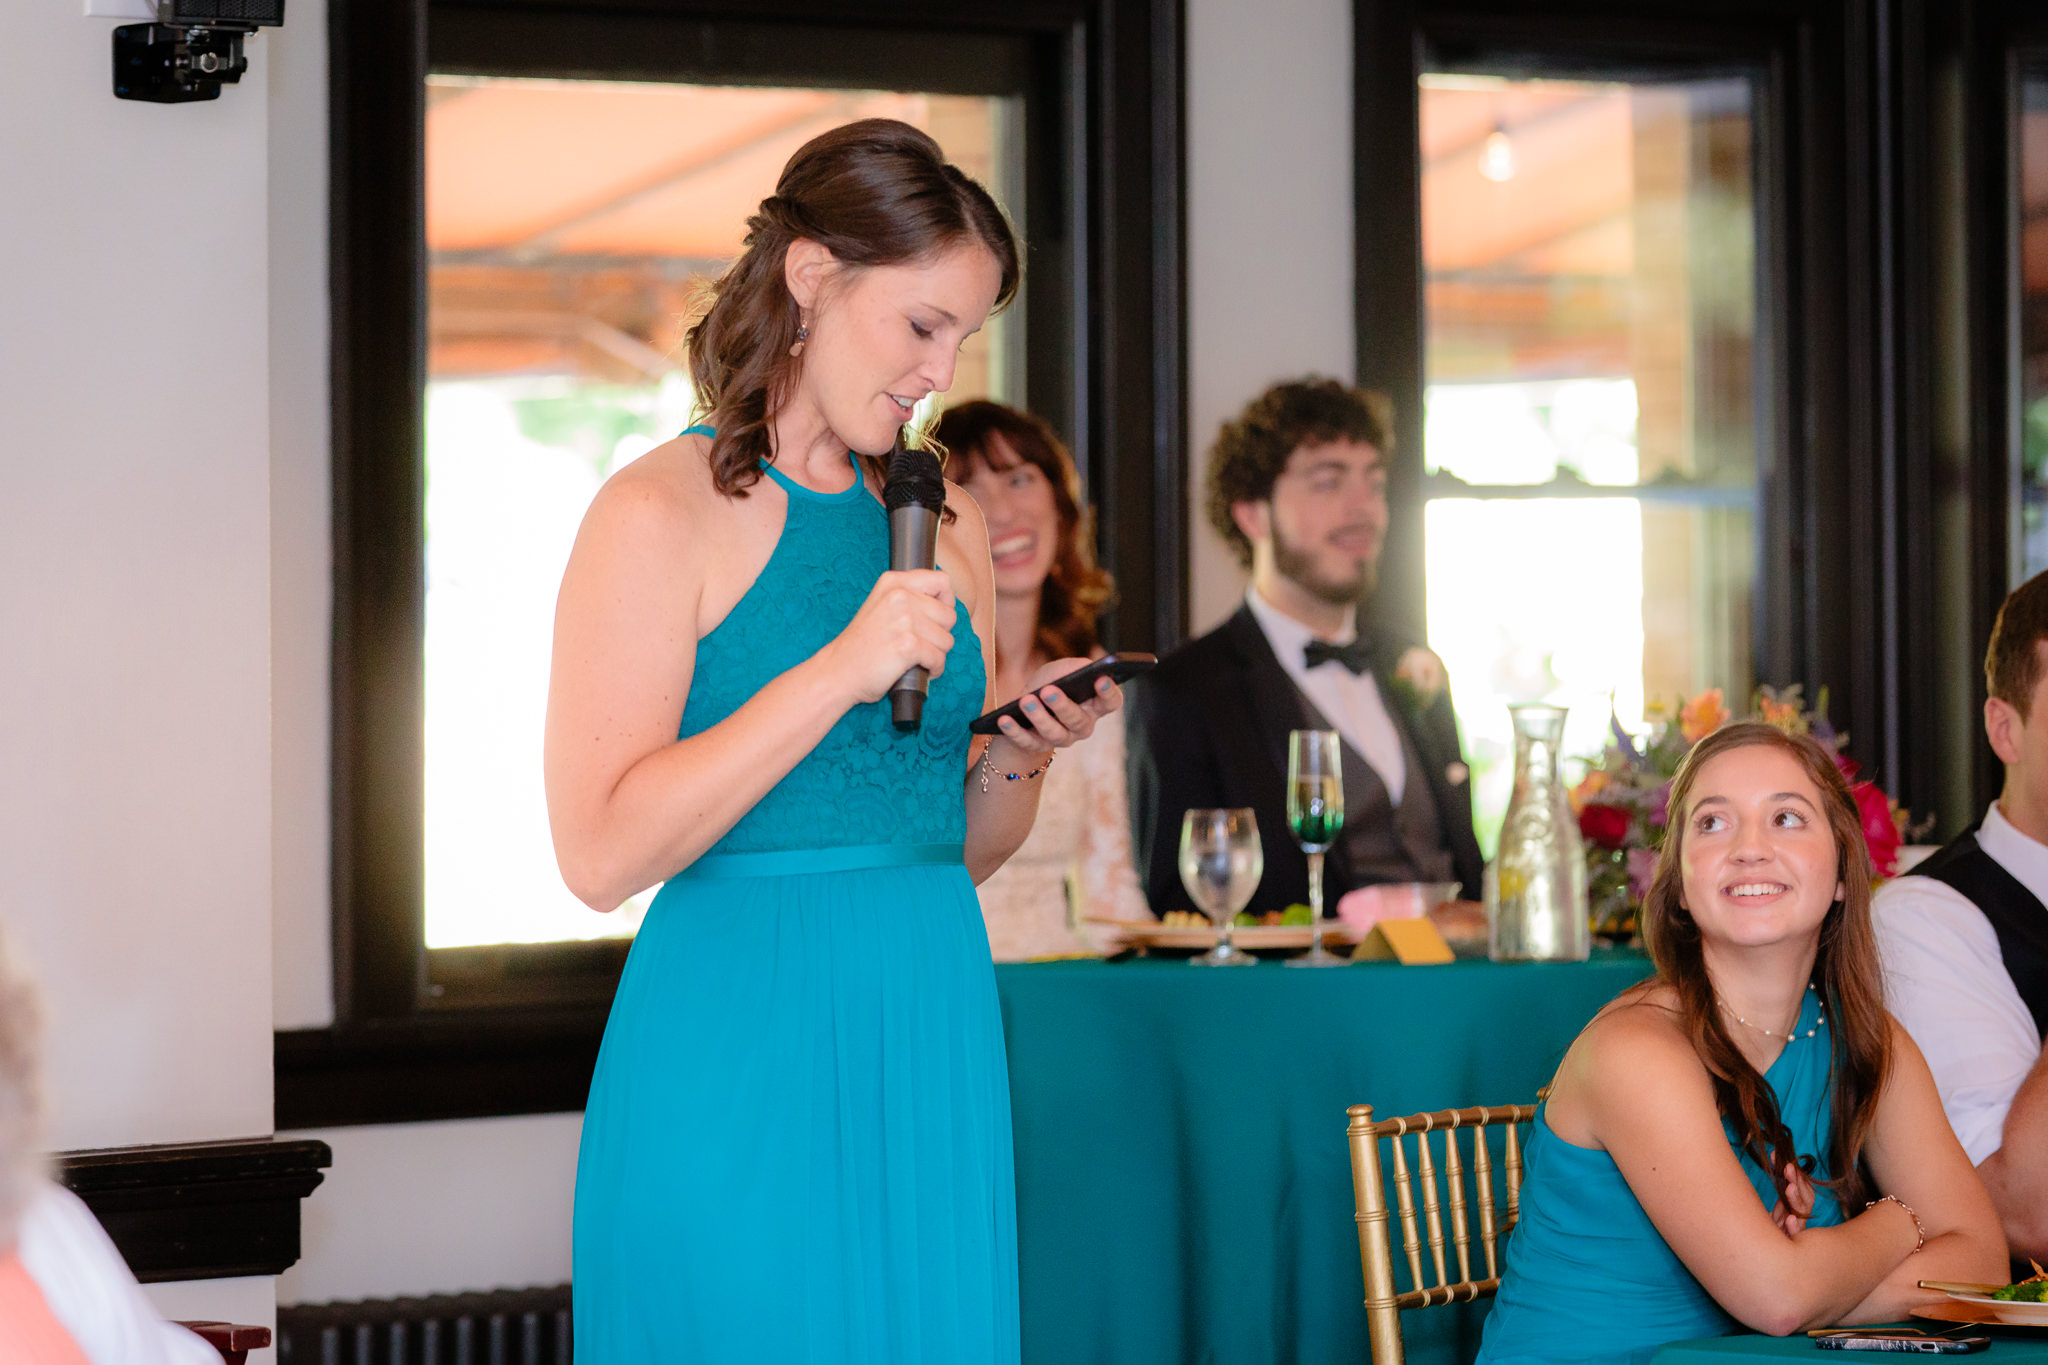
x=1076, y=591
x=874, y=192
x=1254, y=446
x=1846, y=974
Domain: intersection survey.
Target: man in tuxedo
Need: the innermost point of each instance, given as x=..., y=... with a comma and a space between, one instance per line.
x=1965, y=941
x=1298, y=486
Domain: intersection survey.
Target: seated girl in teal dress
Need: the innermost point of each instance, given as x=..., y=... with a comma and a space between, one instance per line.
x=1747, y=1139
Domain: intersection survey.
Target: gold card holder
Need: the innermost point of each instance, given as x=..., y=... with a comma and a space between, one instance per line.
x=1410, y=942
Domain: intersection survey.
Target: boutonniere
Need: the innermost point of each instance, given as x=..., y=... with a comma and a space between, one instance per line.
x=1420, y=674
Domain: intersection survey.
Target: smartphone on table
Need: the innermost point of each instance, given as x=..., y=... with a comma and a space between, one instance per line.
x=1079, y=685
x=1894, y=1339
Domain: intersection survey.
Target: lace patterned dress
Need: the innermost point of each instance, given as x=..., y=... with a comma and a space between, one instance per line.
x=1076, y=865
x=797, y=1144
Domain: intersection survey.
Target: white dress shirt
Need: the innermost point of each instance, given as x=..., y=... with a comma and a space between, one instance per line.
x=1947, y=984
x=90, y=1290
x=1349, y=701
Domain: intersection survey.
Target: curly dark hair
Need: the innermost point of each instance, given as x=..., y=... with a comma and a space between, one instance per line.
x=1076, y=591
x=873, y=192
x=2012, y=663
x=1254, y=446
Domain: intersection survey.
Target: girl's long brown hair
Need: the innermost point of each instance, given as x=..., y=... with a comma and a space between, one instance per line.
x=1845, y=973
x=875, y=192
x=1076, y=591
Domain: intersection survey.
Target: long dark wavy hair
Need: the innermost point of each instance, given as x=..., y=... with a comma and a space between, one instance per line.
x=1845, y=973
x=1076, y=591
x=874, y=192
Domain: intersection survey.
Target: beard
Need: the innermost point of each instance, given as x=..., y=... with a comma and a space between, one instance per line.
x=1298, y=566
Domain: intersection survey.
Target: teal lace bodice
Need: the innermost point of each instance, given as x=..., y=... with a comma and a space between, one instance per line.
x=865, y=782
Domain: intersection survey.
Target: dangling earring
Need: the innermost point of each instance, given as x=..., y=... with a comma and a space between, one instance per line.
x=803, y=334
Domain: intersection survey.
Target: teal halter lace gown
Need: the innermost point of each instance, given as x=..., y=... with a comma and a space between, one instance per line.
x=1589, y=1278
x=797, y=1143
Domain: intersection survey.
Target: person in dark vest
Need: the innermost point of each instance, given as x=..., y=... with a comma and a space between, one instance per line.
x=1297, y=484
x=1965, y=941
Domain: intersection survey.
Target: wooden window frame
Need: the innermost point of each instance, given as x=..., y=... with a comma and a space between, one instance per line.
x=514, y=1029
x=1886, y=242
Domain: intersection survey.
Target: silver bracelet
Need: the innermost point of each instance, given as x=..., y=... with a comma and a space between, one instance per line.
x=1919, y=1232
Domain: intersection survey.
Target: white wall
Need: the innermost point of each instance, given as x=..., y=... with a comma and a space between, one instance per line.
x=135, y=821
x=443, y=1207
x=439, y=1208
x=1269, y=228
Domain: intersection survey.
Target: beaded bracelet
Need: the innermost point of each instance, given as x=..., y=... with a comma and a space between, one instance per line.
x=989, y=769
x=1919, y=1232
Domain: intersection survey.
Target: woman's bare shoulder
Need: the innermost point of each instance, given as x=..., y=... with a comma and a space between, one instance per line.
x=1636, y=1030
x=669, y=489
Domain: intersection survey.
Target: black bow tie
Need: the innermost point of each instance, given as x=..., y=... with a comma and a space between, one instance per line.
x=1354, y=656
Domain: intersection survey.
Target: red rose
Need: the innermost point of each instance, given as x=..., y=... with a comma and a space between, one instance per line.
x=1880, y=831
x=1602, y=825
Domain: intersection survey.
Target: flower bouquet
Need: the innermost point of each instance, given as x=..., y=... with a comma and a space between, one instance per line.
x=1623, y=801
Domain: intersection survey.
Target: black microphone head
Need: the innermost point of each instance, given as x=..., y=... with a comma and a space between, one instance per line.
x=915, y=479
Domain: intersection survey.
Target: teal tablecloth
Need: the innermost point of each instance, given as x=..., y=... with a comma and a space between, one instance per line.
x=2010, y=1345
x=1183, y=1180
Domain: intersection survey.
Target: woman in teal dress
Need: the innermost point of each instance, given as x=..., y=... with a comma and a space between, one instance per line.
x=797, y=1142
x=1747, y=1139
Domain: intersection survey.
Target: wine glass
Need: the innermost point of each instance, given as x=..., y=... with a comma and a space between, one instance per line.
x=1221, y=861
x=1315, y=812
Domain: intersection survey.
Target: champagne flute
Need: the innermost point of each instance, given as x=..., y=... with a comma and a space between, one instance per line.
x=1315, y=812
x=1221, y=861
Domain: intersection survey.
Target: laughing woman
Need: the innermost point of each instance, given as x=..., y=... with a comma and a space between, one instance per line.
x=1747, y=1139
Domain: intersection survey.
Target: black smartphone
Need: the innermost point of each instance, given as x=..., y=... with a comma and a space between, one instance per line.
x=1896, y=1339
x=1080, y=685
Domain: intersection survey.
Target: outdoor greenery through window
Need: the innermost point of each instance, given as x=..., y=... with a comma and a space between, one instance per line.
x=1589, y=252
x=571, y=226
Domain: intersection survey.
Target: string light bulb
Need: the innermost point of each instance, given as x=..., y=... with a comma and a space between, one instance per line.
x=1497, y=156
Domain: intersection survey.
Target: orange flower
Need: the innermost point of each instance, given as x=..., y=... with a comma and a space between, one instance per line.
x=1782, y=714
x=1702, y=716
x=1589, y=787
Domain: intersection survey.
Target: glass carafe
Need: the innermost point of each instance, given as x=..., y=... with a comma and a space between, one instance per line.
x=1536, y=884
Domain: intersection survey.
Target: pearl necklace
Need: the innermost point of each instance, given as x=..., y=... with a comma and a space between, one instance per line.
x=1787, y=1036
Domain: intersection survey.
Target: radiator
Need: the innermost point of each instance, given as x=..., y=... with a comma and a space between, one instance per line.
x=506, y=1327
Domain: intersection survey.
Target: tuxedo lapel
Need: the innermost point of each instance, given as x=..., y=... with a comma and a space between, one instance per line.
x=1274, y=704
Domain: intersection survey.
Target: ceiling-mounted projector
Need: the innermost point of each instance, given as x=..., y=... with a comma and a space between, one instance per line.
x=193, y=49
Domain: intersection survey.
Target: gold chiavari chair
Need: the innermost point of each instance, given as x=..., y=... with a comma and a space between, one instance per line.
x=1375, y=1238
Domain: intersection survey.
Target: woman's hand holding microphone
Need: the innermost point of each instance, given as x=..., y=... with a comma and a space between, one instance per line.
x=906, y=623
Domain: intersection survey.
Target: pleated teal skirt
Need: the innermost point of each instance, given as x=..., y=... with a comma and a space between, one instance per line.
x=797, y=1145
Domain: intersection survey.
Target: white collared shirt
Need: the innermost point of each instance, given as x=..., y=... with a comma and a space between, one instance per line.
x=1947, y=984
x=1349, y=701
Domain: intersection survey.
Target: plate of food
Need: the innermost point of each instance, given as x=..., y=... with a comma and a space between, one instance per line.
x=2023, y=1303
x=1185, y=931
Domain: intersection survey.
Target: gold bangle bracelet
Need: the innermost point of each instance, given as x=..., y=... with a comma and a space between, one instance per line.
x=989, y=769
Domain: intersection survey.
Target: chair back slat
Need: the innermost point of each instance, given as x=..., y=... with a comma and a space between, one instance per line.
x=1454, y=1179
x=1432, y=1209
x=1383, y=1303
x=1404, y=1193
x=1514, y=1166
x=1482, y=1176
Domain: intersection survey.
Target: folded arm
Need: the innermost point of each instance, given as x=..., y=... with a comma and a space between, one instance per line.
x=1643, y=1094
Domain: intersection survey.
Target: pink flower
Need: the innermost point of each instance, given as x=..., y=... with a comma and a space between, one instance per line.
x=1880, y=827
x=1642, y=870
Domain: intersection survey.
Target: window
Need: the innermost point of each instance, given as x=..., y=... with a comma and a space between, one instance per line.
x=1590, y=431
x=571, y=227
x=2033, y=322
x=504, y=335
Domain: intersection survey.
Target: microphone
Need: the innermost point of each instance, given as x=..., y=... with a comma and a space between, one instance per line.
x=915, y=496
